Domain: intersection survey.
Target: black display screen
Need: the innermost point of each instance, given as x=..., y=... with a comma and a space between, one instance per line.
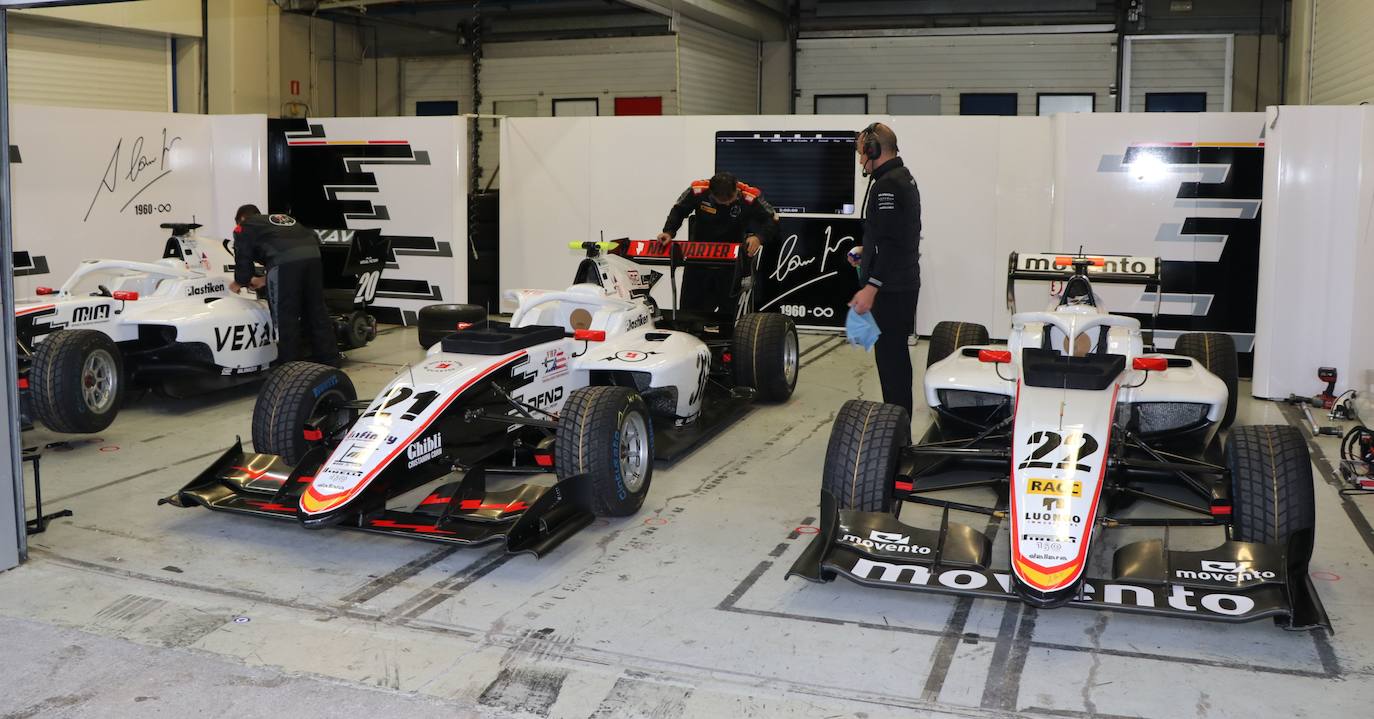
x=798, y=170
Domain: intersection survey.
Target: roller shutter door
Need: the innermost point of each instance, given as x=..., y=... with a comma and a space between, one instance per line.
x=54, y=63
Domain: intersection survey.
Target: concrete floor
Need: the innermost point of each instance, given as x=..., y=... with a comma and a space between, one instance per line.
x=128, y=608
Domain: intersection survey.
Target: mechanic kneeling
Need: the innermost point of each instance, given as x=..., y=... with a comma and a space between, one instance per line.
x=295, y=281
x=725, y=210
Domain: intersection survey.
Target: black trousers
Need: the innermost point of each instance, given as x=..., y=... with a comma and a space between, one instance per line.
x=295, y=292
x=709, y=289
x=895, y=314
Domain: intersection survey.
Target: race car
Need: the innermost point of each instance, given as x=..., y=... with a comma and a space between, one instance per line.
x=580, y=381
x=171, y=324
x=1066, y=427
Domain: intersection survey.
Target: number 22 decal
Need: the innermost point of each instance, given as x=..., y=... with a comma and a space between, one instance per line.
x=1076, y=445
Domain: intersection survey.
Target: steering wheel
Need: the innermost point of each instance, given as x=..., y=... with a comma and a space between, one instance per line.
x=103, y=291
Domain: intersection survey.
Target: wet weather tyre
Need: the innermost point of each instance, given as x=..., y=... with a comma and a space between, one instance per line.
x=949, y=336
x=76, y=381
x=861, y=458
x=359, y=328
x=436, y=322
x=1272, y=495
x=764, y=355
x=1217, y=353
x=605, y=433
x=300, y=399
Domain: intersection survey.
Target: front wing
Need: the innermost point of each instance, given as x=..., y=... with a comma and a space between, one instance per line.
x=1235, y=582
x=531, y=519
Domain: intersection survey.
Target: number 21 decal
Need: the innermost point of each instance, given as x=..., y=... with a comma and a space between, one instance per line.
x=1076, y=445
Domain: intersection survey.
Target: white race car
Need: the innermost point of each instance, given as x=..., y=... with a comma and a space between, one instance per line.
x=581, y=381
x=1067, y=425
x=172, y=324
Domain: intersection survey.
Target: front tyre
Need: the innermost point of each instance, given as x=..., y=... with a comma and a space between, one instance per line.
x=76, y=381
x=861, y=458
x=606, y=434
x=764, y=355
x=300, y=407
x=1271, y=488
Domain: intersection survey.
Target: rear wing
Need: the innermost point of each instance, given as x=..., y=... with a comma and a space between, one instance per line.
x=651, y=252
x=1104, y=269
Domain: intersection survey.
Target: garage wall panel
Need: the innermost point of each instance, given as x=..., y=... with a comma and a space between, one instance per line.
x=53, y=63
x=1200, y=64
x=950, y=64
x=1342, y=55
x=718, y=73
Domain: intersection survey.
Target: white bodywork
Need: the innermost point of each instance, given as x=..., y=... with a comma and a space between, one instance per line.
x=190, y=296
x=399, y=420
x=1060, y=437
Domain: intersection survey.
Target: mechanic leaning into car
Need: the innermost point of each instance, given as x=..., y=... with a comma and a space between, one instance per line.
x=726, y=210
x=295, y=281
x=889, y=264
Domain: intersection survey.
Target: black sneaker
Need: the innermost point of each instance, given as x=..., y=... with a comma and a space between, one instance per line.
x=335, y=360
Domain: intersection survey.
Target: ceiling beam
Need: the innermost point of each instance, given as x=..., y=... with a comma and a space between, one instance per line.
x=754, y=20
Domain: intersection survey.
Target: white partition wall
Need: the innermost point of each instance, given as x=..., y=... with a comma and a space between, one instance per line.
x=1317, y=251
x=1117, y=184
x=97, y=183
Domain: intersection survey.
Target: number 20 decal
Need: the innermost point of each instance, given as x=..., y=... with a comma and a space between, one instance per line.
x=1076, y=445
x=367, y=287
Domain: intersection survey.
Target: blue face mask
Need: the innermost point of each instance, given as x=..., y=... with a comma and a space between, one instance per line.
x=861, y=329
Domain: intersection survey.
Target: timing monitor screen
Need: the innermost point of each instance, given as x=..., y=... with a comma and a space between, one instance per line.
x=798, y=171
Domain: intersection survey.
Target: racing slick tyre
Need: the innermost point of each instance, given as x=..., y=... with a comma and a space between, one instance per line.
x=861, y=459
x=436, y=322
x=764, y=355
x=301, y=406
x=1217, y=353
x=1271, y=488
x=357, y=329
x=76, y=381
x=949, y=336
x=606, y=434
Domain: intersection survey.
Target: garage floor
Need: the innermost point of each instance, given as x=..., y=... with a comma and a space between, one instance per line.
x=133, y=609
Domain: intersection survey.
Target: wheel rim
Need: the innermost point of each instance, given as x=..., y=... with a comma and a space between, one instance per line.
x=634, y=452
x=789, y=358
x=99, y=381
x=329, y=416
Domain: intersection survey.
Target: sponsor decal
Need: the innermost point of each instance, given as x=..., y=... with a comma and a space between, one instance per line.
x=1177, y=597
x=555, y=362
x=364, y=436
x=634, y=276
x=209, y=288
x=707, y=208
x=353, y=456
x=326, y=385
x=544, y=399
x=1231, y=572
x=281, y=220
x=443, y=366
x=891, y=542
x=424, y=450
x=242, y=337
x=629, y=356
x=96, y=313
x=1055, y=487
x=637, y=322
x=1048, y=538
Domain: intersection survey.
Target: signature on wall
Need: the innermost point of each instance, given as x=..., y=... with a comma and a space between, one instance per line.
x=133, y=170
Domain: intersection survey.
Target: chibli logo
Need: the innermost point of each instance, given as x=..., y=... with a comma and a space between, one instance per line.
x=1055, y=487
x=424, y=450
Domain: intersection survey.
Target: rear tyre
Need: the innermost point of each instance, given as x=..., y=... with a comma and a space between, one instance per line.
x=606, y=434
x=76, y=381
x=436, y=322
x=359, y=329
x=861, y=459
x=764, y=355
x=950, y=336
x=300, y=398
x=1271, y=488
x=1217, y=353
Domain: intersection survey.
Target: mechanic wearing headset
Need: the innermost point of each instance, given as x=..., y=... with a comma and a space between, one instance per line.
x=295, y=281
x=889, y=264
x=726, y=210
